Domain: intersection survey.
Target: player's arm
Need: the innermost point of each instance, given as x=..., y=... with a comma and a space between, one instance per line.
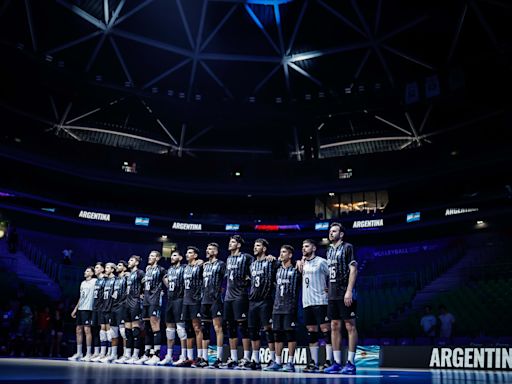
x=166, y=281
x=351, y=283
x=73, y=314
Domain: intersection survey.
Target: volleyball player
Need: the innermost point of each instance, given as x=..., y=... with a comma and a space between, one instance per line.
x=284, y=314
x=83, y=314
x=236, y=301
x=342, y=297
x=96, y=308
x=212, y=306
x=134, y=289
x=106, y=309
x=118, y=315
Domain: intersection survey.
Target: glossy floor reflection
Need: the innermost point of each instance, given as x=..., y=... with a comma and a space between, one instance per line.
x=62, y=371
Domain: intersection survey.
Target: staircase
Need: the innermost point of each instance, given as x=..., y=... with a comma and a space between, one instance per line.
x=31, y=270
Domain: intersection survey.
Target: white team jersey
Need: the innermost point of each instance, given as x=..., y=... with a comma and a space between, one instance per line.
x=86, y=295
x=314, y=282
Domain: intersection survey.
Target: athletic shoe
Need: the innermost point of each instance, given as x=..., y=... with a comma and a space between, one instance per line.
x=107, y=359
x=184, y=363
x=335, y=368
x=153, y=361
x=244, y=365
x=199, y=363
x=132, y=360
x=311, y=367
x=98, y=358
x=254, y=366
x=142, y=360
x=274, y=367
x=166, y=361
x=289, y=367
x=76, y=357
x=229, y=364
x=349, y=369
x=122, y=360
x=86, y=358
x=203, y=363
x=216, y=364
x=179, y=362
x=326, y=365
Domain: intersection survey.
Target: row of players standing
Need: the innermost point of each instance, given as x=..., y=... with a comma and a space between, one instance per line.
x=262, y=293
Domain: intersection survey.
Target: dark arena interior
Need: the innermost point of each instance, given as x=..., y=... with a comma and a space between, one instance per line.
x=251, y=191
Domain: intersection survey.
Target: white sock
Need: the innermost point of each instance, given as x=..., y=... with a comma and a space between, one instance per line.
x=103, y=350
x=200, y=353
x=247, y=355
x=328, y=352
x=96, y=350
x=278, y=359
x=291, y=358
x=114, y=351
x=314, y=354
x=183, y=355
x=255, y=356
x=147, y=348
x=190, y=354
x=89, y=350
x=128, y=352
x=79, y=349
x=337, y=356
x=219, y=353
x=109, y=351
x=351, y=356
x=157, y=351
x=205, y=354
x=136, y=353
x=234, y=355
x=273, y=355
x=169, y=352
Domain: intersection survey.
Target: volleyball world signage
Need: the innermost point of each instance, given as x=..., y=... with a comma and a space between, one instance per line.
x=187, y=226
x=99, y=216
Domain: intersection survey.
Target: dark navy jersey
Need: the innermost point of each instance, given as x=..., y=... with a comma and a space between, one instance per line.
x=263, y=273
x=193, y=279
x=108, y=290
x=175, y=282
x=339, y=260
x=120, y=294
x=153, y=282
x=213, y=275
x=98, y=293
x=134, y=288
x=287, y=290
x=238, y=276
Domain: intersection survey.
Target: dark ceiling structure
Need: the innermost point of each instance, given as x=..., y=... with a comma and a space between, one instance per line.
x=290, y=79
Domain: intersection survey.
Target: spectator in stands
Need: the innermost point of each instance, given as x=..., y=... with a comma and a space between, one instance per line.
x=57, y=330
x=446, y=321
x=6, y=329
x=12, y=240
x=66, y=259
x=428, y=323
x=43, y=324
x=24, y=332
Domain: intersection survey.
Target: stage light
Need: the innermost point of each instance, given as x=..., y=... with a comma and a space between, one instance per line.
x=331, y=194
x=252, y=99
x=154, y=90
x=2, y=233
x=170, y=92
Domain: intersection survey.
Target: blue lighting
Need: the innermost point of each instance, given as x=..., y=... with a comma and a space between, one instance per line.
x=322, y=226
x=232, y=227
x=412, y=217
x=268, y=2
x=142, y=221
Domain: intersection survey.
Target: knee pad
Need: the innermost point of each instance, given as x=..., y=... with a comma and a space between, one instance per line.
x=205, y=328
x=279, y=336
x=327, y=337
x=122, y=331
x=189, y=329
x=182, y=332
x=136, y=333
x=232, y=331
x=109, y=335
x=103, y=335
x=244, y=331
x=291, y=336
x=254, y=335
x=114, y=332
x=270, y=336
x=170, y=333
x=312, y=337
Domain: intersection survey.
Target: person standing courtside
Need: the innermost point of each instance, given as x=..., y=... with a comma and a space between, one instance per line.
x=342, y=297
x=96, y=308
x=83, y=314
x=134, y=289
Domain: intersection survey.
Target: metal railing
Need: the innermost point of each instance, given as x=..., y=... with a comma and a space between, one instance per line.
x=43, y=261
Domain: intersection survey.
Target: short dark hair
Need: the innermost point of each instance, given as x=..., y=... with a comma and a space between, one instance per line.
x=310, y=241
x=125, y=264
x=158, y=254
x=195, y=249
x=289, y=248
x=177, y=251
x=214, y=245
x=136, y=257
x=100, y=263
x=91, y=268
x=263, y=242
x=239, y=239
x=335, y=224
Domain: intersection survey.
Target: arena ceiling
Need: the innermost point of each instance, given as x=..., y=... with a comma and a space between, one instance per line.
x=288, y=78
